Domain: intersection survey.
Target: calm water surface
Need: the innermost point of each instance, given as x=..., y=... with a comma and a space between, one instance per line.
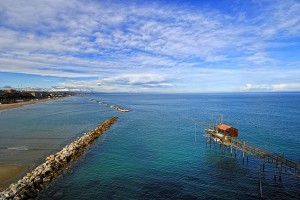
x=153, y=152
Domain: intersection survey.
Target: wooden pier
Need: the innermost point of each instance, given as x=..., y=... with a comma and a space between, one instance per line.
x=279, y=161
x=227, y=137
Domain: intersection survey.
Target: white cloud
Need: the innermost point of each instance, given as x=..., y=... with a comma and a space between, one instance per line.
x=286, y=87
x=149, y=44
x=280, y=87
x=275, y=87
x=136, y=80
x=260, y=58
x=123, y=82
x=256, y=87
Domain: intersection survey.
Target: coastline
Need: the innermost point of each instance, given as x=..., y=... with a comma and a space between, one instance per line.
x=33, y=182
x=11, y=173
x=21, y=104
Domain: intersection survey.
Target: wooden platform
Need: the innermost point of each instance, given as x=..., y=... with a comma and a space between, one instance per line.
x=279, y=161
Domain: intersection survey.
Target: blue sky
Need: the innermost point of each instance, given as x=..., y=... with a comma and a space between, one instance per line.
x=153, y=46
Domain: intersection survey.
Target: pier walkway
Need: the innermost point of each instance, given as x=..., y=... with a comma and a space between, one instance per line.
x=279, y=161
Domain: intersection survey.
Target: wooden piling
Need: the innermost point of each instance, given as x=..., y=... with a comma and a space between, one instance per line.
x=278, y=161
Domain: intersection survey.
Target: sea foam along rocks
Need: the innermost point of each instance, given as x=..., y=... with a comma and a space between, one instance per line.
x=35, y=181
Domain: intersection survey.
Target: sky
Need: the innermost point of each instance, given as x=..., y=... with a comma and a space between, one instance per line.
x=151, y=46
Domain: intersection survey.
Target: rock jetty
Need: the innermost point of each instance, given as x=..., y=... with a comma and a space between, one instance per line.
x=35, y=181
x=119, y=109
x=111, y=106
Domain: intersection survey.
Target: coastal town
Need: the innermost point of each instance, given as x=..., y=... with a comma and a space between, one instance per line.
x=11, y=96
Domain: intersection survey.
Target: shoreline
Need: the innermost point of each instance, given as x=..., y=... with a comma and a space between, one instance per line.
x=21, y=104
x=10, y=173
x=33, y=182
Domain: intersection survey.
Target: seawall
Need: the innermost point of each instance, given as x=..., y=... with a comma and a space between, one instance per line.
x=35, y=181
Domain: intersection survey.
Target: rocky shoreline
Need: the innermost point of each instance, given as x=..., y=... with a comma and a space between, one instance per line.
x=35, y=181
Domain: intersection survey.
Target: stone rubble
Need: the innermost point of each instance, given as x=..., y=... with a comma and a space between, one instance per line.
x=111, y=106
x=35, y=181
x=119, y=109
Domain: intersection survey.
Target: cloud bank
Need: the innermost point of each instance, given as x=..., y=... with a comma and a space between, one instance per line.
x=157, y=46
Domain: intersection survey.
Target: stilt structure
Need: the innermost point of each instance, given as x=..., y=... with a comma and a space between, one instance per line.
x=227, y=136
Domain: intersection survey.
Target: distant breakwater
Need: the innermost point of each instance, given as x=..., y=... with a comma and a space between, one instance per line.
x=35, y=181
x=111, y=106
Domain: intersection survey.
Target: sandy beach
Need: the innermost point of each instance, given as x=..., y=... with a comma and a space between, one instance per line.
x=10, y=173
x=17, y=105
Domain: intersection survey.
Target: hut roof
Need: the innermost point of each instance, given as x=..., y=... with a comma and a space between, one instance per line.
x=223, y=127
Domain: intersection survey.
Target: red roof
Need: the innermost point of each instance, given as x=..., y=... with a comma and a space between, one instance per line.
x=223, y=127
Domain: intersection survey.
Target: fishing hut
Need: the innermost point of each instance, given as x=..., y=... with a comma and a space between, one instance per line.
x=227, y=130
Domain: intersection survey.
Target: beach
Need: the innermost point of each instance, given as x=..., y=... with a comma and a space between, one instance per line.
x=11, y=171
x=42, y=175
x=21, y=104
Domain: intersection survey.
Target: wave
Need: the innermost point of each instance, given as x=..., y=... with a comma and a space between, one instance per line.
x=20, y=148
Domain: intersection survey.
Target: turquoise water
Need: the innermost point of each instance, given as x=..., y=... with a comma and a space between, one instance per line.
x=153, y=152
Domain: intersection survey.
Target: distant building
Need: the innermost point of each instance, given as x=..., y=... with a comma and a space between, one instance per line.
x=9, y=91
x=37, y=94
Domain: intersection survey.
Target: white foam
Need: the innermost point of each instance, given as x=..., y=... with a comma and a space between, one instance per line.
x=20, y=148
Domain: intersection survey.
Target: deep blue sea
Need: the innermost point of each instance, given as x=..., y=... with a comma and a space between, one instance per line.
x=153, y=151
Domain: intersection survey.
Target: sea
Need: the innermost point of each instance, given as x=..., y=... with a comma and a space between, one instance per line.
x=156, y=151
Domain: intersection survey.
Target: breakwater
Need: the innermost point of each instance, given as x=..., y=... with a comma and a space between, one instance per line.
x=35, y=181
x=111, y=106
